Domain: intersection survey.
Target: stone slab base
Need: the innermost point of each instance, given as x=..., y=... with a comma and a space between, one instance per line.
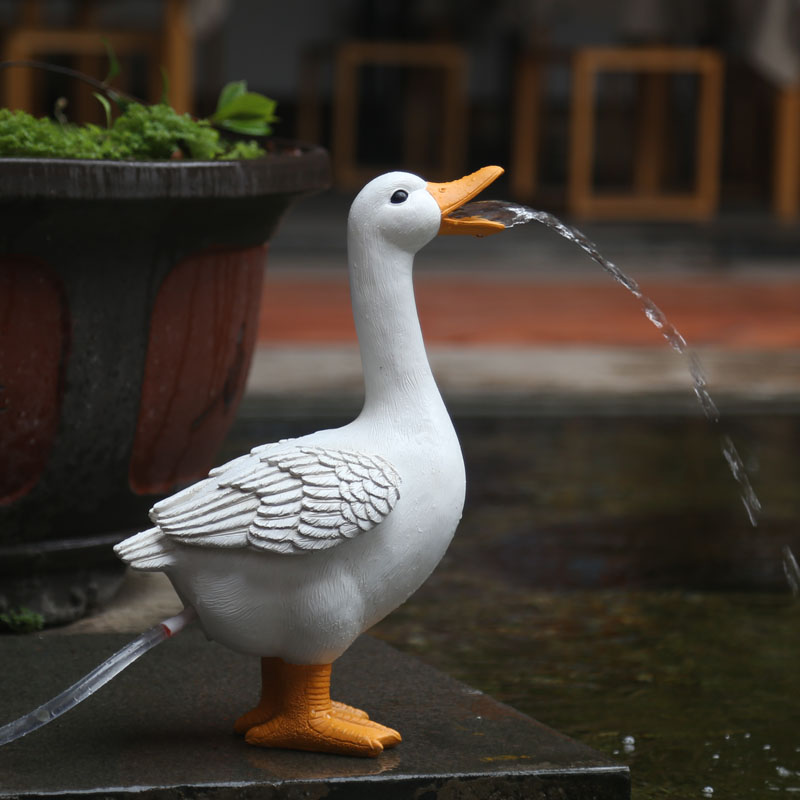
x=163, y=729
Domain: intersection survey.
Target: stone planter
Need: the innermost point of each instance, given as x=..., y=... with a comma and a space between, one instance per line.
x=129, y=297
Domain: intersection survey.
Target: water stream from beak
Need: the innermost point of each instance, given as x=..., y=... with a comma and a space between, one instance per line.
x=512, y=214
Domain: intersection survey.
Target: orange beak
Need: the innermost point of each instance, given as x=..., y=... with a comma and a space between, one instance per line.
x=453, y=195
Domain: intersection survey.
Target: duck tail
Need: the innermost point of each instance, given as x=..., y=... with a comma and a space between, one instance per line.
x=149, y=551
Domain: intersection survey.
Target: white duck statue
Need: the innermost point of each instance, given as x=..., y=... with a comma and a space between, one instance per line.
x=293, y=550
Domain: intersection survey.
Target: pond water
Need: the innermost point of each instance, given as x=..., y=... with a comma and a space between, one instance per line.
x=691, y=689
x=607, y=581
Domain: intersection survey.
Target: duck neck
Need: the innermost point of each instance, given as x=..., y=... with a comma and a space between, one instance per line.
x=398, y=380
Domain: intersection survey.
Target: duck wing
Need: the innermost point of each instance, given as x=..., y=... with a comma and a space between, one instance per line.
x=297, y=500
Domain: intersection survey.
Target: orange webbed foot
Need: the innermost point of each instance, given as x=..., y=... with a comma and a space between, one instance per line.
x=324, y=733
x=265, y=712
x=296, y=713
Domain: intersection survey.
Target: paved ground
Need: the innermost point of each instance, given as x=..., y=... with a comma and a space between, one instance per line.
x=525, y=310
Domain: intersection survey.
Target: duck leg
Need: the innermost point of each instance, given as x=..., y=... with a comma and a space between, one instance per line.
x=269, y=703
x=305, y=718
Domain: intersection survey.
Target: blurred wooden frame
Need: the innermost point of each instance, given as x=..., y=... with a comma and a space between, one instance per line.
x=646, y=201
x=352, y=56
x=526, y=124
x=786, y=155
x=171, y=47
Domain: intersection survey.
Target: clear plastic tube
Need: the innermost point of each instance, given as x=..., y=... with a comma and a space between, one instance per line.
x=98, y=677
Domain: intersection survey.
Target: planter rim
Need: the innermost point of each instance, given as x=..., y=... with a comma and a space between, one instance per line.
x=294, y=169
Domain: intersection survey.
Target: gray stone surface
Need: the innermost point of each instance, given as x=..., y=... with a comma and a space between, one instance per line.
x=163, y=729
x=493, y=373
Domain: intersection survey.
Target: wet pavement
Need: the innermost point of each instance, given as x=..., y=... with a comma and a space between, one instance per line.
x=605, y=577
x=164, y=729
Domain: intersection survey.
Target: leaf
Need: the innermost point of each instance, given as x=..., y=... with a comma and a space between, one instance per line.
x=246, y=106
x=254, y=127
x=230, y=92
x=247, y=113
x=113, y=64
x=106, y=106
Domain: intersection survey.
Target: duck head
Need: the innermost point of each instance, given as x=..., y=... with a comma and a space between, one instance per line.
x=406, y=211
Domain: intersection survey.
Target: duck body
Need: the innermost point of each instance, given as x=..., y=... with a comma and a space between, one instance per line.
x=294, y=549
x=308, y=608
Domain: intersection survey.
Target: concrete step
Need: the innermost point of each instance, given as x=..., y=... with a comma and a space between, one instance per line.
x=163, y=729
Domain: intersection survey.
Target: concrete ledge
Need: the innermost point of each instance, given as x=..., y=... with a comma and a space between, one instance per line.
x=499, y=371
x=162, y=730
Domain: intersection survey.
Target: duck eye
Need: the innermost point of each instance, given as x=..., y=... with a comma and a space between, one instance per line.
x=400, y=196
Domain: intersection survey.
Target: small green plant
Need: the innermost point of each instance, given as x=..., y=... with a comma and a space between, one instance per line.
x=140, y=131
x=244, y=112
x=21, y=620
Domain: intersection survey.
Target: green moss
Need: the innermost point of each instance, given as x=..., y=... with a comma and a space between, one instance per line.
x=243, y=149
x=140, y=132
x=21, y=620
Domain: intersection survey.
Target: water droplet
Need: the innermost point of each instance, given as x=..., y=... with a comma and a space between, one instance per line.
x=792, y=572
x=708, y=791
x=715, y=756
x=511, y=214
x=655, y=315
x=767, y=747
x=783, y=772
x=629, y=744
x=749, y=499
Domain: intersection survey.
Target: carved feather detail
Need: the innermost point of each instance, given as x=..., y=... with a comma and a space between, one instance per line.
x=295, y=501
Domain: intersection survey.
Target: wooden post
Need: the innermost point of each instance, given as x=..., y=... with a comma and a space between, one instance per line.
x=178, y=55
x=786, y=155
x=454, y=126
x=345, y=112
x=525, y=136
x=581, y=134
x=17, y=81
x=709, y=133
x=652, y=133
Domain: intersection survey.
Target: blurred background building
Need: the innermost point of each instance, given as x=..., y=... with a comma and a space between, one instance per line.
x=612, y=108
